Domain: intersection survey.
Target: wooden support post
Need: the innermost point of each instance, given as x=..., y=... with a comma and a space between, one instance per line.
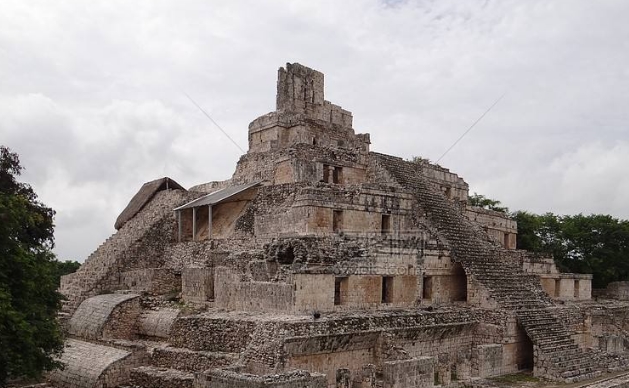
x=194, y=224
x=179, y=226
x=209, y=222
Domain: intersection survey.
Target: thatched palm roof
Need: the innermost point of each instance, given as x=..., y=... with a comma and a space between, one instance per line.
x=146, y=193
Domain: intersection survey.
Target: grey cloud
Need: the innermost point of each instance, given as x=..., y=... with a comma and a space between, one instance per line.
x=91, y=95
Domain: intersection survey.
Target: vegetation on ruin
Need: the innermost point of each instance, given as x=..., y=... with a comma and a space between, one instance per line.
x=596, y=244
x=64, y=268
x=29, y=333
x=516, y=378
x=486, y=203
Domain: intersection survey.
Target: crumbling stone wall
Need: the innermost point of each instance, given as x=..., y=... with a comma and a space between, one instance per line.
x=617, y=290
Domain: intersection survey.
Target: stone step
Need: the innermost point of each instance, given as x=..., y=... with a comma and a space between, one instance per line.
x=153, y=377
x=485, y=262
x=191, y=360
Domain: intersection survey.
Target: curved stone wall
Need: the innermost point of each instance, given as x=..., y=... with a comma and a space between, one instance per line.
x=89, y=365
x=106, y=316
x=157, y=323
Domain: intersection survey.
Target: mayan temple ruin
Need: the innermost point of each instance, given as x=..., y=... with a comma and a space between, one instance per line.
x=322, y=264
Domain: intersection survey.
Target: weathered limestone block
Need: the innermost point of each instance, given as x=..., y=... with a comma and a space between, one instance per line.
x=106, y=316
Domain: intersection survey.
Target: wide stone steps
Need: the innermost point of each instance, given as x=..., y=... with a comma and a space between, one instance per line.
x=191, y=360
x=154, y=377
x=488, y=264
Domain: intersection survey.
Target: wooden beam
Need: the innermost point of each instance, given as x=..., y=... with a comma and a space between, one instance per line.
x=194, y=224
x=179, y=226
x=209, y=222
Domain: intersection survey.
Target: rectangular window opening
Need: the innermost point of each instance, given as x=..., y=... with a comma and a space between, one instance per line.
x=387, y=283
x=326, y=173
x=576, y=288
x=557, y=288
x=337, y=220
x=427, y=288
x=337, y=290
x=337, y=175
x=385, y=226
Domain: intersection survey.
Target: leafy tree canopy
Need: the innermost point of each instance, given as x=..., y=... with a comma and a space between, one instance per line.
x=64, y=268
x=486, y=203
x=29, y=333
x=596, y=244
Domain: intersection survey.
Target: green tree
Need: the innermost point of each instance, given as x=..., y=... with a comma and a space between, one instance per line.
x=486, y=203
x=29, y=333
x=596, y=244
x=64, y=268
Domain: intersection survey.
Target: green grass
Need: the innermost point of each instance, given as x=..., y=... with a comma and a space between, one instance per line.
x=515, y=378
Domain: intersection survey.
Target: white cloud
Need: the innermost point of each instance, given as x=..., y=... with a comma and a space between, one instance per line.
x=91, y=94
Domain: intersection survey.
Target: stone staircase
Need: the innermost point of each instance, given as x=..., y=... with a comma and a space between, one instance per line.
x=102, y=267
x=557, y=356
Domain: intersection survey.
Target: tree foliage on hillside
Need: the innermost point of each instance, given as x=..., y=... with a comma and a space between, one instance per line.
x=596, y=244
x=29, y=333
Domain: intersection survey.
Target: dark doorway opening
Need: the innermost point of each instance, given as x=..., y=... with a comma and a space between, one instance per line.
x=459, y=284
x=387, y=289
x=427, y=288
x=337, y=220
x=385, y=226
x=338, y=290
x=337, y=175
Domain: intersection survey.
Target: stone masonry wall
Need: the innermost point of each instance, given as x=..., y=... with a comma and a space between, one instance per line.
x=233, y=294
x=151, y=280
x=220, y=378
x=197, y=285
x=208, y=333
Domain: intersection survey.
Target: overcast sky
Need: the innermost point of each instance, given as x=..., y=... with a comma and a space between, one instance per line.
x=92, y=94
